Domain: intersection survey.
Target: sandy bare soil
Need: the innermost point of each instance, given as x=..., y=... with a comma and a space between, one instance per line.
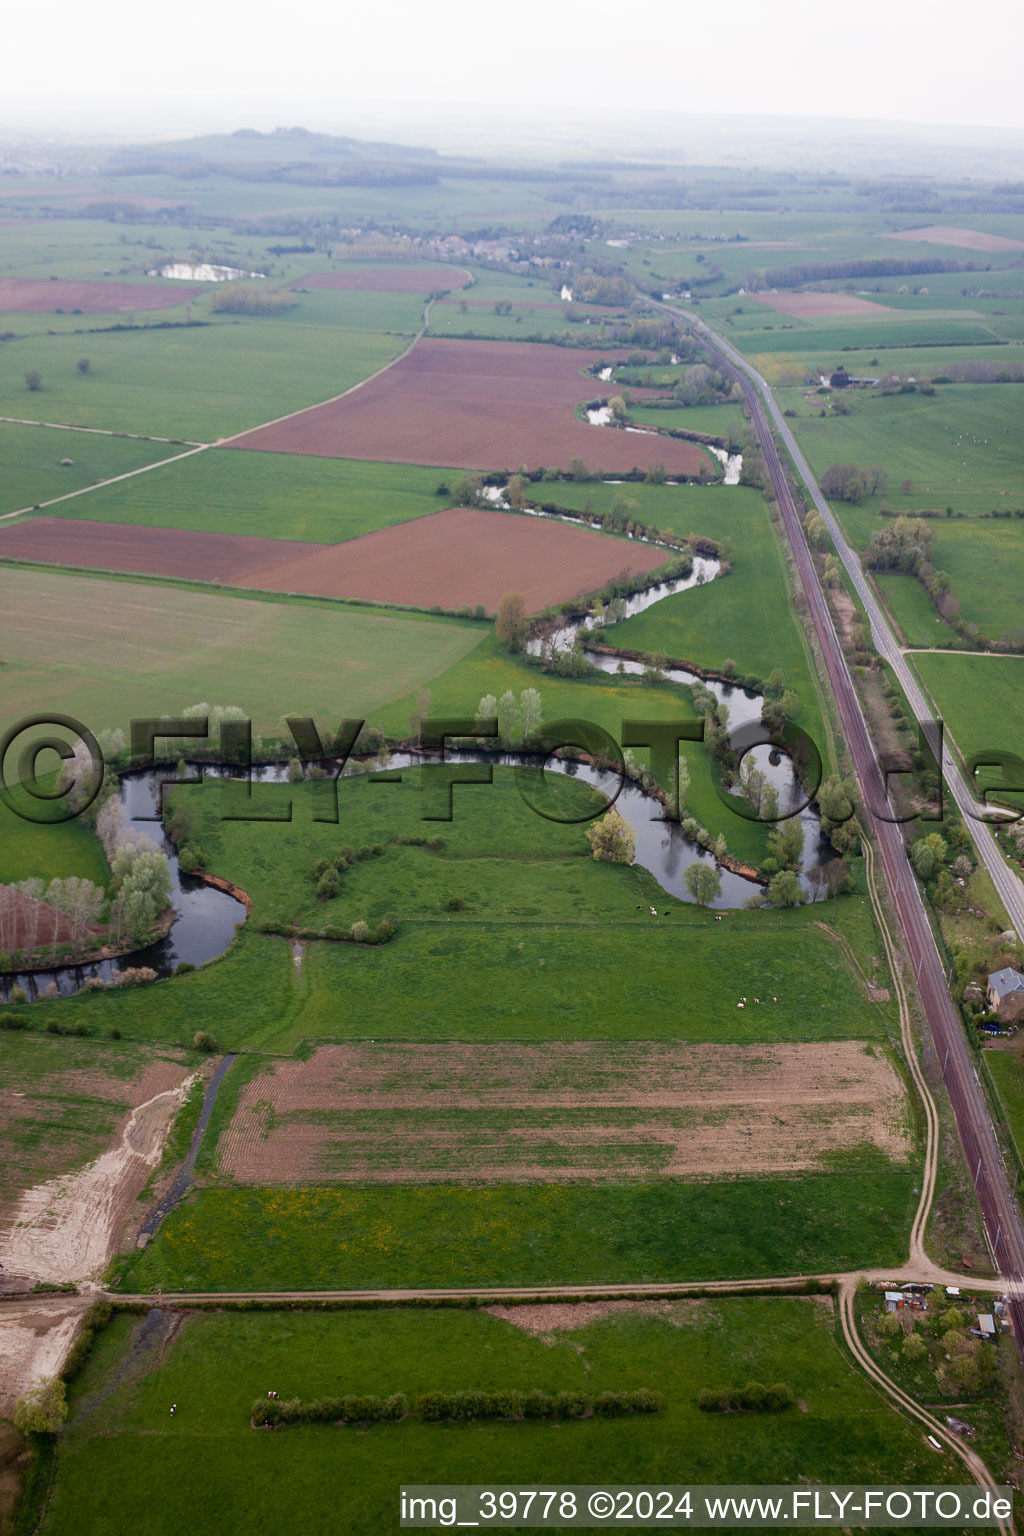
x=408, y=1113
x=34, y=1340
x=40, y=296
x=414, y=278
x=68, y=1228
x=451, y=558
x=806, y=306
x=950, y=234
x=479, y=405
x=52, y=1124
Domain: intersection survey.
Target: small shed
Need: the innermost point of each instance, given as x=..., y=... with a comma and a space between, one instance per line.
x=893, y=1300
x=953, y=1292
x=986, y=1325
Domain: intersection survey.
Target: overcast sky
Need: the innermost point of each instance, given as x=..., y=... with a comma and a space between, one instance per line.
x=324, y=62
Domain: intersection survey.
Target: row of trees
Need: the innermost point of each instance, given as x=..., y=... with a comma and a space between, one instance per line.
x=519, y=719
x=845, y=482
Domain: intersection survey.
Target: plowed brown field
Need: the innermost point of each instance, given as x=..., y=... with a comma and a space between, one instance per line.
x=950, y=234
x=40, y=296
x=478, y=405
x=412, y=1113
x=806, y=306
x=446, y=559
x=397, y=279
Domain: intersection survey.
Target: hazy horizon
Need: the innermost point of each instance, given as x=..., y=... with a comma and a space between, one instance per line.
x=538, y=69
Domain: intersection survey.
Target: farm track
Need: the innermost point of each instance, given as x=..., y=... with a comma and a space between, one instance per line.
x=129, y=474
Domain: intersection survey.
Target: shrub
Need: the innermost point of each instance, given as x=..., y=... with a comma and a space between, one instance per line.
x=755, y=1397
x=360, y=932
x=189, y=859
x=201, y=1041
x=134, y=976
x=184, y=968
x=10, y=1020
x=6, y=963
x=43, y=1409
x=33, y=380
x=329, y=884
x=455, y=904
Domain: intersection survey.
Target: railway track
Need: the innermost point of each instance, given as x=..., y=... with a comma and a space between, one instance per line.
x=1003, y=1226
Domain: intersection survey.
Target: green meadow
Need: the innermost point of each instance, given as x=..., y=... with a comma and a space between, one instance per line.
x=979, y=698
x=270, y=496
x=270, y=657
x=33, y=471
x=430, y=1236
x=197, y=382
x=123, y=1463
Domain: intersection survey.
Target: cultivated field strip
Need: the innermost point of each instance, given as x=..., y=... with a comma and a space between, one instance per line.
x=414, y=1113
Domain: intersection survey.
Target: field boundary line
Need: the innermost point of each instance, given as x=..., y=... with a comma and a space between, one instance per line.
x=100, y=484
x=226, y=442
x=70, y=426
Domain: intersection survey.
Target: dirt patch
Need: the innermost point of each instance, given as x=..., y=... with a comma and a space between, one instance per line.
x=34, y=1341
x=806, y=306
x=451, y=558
x=41, y=296
x=411, y=279
x=951, y=234
x=545, y=1319
x=478, y=405
x=68, y=1228
x=846, y=613
x=489, y=1113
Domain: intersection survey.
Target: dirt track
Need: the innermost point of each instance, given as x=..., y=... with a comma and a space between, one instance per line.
x=478, y=405
x=450, y=558
x=40, y=296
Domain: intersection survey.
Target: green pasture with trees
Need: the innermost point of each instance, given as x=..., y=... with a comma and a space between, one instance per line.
x=235, y=1473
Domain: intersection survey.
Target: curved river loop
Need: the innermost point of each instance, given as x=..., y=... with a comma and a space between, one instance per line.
x=206, y=918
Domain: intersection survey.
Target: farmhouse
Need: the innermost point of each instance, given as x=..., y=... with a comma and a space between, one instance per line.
x=1006, y=992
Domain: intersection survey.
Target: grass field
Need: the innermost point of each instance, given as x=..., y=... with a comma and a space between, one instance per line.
x=979, y=698
x=270, y=496
x=549, y=945
x=31, y=459
x=1007, y=1072
x=747, y=616
x=909, y=604
x=347, y=1481
x=718, y=420
x=124, y=649
x=198, y=382
x=47, y=850
x=960, y=447
x=523, y=1234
